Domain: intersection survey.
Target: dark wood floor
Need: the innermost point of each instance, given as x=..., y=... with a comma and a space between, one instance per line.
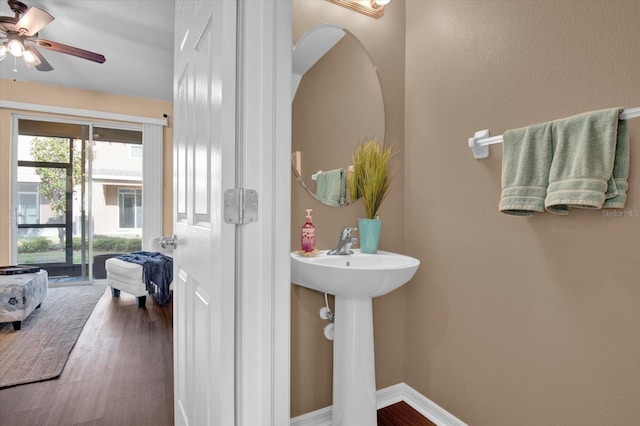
x=119, y=373
x=401, y=414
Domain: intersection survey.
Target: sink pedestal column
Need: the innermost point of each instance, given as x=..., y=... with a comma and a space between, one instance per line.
x=354, y=381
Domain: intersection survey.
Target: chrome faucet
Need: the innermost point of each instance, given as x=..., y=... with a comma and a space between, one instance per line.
x=345, y=241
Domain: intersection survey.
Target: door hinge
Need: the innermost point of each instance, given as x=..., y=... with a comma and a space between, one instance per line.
x=240, y=206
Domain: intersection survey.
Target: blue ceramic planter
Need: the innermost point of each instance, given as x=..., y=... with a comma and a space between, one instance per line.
x=369, y=233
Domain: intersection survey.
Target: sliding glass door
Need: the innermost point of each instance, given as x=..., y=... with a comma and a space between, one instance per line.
x=78, y=196
x=116, y=195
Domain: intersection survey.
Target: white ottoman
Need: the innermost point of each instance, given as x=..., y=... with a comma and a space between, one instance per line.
x=127, y=277
x=20, y=295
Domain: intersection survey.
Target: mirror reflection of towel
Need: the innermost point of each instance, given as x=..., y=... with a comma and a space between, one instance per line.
x=331, y=187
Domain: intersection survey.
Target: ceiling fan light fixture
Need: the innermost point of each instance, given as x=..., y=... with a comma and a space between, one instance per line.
x=15, y=45
x=18, y=33
x=30, y=58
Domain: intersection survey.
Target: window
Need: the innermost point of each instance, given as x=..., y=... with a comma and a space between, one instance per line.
x=130, y=207
x=135, y=151
x=28, y=208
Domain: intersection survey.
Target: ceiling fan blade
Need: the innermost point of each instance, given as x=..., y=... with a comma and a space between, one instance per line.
x=33, y=21
x=43, y=65
x=70, y=50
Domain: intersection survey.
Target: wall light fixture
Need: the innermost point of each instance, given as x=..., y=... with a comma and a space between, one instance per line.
x=371, y=8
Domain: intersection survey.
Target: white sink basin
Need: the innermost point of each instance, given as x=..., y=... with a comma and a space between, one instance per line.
x=354, y=279
x=358, y=275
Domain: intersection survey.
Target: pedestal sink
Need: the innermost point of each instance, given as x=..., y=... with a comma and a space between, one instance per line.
x=354, y=280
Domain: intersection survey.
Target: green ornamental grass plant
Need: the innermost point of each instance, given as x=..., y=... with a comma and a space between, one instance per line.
x=372, y=175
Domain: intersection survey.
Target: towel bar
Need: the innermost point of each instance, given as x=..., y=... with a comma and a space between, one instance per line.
x=315, y=175
x=481, y=140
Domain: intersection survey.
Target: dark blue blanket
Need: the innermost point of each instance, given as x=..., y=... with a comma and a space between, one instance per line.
x=157, y=272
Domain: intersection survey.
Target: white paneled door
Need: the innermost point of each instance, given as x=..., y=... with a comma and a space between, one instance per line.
x=232, y=129
x=204, y=257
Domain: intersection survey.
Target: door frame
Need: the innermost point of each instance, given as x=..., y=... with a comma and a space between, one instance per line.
x=263, y=261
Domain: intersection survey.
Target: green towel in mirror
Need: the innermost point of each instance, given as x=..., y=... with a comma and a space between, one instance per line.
x=331, y=187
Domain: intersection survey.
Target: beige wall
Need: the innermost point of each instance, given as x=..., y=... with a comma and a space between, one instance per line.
x=311, y=353
x=516, y=321
x=42, y=94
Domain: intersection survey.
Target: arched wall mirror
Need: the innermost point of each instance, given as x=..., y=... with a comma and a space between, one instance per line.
x=337, y=104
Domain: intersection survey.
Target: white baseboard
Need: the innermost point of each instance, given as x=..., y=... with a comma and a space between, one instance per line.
x=321, y=417
x=386, y=397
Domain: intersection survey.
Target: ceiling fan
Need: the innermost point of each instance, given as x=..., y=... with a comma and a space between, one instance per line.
x=19, y=36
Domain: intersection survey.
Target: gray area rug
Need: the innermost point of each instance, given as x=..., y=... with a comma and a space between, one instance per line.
x=41, y=348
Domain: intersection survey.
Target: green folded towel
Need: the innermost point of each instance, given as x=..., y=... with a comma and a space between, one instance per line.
x=581, y=173
x=620, y=170
x=331, y=187
x=526, y=159
x=580, y=161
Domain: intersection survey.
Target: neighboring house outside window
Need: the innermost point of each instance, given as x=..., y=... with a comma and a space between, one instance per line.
x=117, y=189
x=29, y=205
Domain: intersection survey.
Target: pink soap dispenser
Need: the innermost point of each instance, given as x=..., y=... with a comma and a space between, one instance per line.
x=308, y=235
